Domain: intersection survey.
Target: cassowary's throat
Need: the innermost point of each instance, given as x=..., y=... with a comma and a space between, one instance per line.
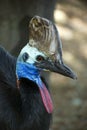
x=29, y=71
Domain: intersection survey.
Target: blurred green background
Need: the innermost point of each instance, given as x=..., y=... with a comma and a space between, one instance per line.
x=70, y=16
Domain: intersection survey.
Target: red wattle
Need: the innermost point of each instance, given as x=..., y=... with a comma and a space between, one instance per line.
x=47, y=101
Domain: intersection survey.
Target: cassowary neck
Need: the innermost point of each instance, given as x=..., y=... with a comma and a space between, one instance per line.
x=34, y=112
x=30, y=94
x=32, y=73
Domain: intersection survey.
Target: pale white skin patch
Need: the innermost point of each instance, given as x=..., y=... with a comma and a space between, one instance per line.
x=32, y=52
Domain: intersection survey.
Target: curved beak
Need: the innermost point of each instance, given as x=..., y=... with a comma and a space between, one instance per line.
x=57, y=67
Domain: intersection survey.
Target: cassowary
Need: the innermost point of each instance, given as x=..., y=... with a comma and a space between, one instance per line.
x=25, y=101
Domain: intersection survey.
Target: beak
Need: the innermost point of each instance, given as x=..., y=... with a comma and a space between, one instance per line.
x=57, y=67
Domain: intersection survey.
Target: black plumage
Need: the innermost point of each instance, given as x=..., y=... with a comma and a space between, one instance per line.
x=20, y=108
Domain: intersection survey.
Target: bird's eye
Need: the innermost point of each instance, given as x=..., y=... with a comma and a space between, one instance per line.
x=40, y=58
x=25, y=56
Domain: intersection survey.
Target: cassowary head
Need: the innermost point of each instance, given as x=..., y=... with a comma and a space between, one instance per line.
x=44, y=37
x=43, y=52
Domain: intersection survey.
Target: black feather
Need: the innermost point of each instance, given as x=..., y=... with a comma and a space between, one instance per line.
x=20, y=109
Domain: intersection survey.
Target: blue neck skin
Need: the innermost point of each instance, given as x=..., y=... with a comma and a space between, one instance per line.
x=29, y=71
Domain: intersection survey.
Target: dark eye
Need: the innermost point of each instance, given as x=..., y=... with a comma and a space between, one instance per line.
x=40, y=58
x=25, y=56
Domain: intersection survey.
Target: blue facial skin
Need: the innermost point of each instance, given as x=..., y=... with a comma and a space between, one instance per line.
x=29, y=71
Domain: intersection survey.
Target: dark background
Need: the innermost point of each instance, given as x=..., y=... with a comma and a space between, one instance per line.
x=70, y=16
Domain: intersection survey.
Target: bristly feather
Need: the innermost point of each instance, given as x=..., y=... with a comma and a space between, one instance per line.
x=7, y=67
